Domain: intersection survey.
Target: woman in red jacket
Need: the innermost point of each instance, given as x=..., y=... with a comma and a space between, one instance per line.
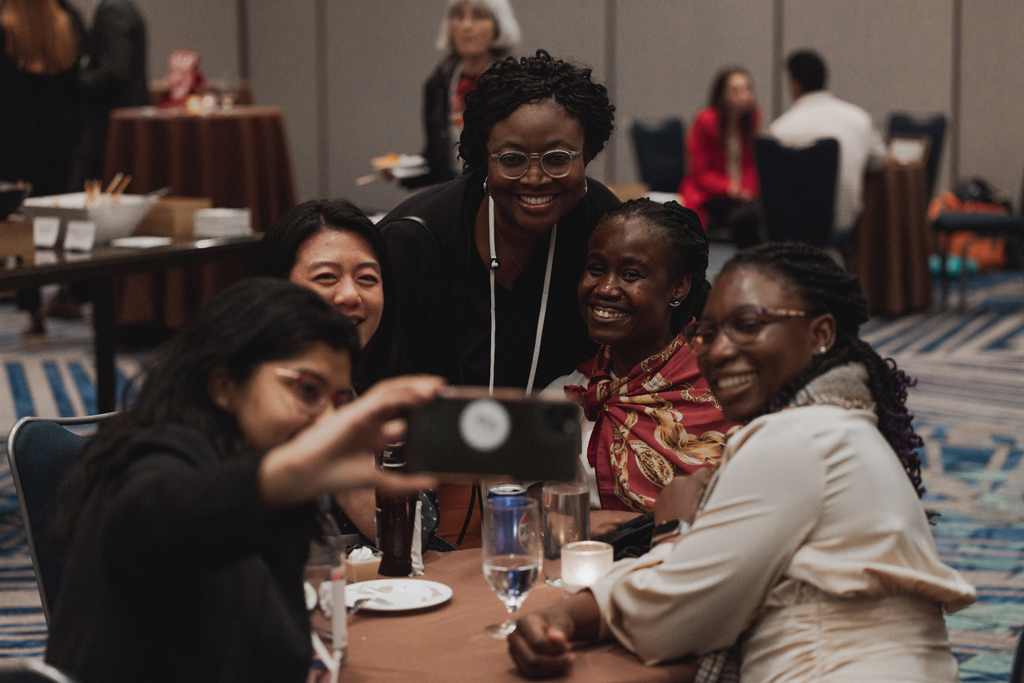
x=721, y=183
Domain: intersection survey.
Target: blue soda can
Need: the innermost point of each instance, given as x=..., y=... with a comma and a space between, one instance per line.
x=507, y=537
x=506, y=491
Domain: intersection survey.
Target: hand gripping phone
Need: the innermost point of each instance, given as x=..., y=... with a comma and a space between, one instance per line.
x=466, y=431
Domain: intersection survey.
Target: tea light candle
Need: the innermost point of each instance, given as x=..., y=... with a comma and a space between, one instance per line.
x=583, y=563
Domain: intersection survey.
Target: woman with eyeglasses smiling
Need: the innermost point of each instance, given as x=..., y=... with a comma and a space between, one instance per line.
x=189, y=517
x=811, y=558
x=487, y=265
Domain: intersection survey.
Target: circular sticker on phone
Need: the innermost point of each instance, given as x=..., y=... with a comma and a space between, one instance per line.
x=485, y=425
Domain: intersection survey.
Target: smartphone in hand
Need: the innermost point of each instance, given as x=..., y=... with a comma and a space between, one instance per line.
x=466, y=431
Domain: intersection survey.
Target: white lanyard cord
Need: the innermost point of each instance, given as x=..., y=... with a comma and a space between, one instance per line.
x=543, y=300
x=490, y=270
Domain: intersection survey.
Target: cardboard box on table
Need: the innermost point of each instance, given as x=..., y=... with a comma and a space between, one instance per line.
x=173, y=217
x=16, y=241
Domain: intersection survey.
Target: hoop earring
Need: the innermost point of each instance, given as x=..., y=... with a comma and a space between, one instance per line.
x=674, y=303
x=485, y=185
x=585, y=186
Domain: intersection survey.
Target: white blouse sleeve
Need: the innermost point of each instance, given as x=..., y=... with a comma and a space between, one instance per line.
x=698, y=594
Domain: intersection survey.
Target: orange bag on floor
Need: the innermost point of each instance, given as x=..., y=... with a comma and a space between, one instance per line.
x=988, y=252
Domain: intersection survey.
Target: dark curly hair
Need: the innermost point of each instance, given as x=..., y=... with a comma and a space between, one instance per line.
x=824, y=286
x=689, y=245
x=509, y=84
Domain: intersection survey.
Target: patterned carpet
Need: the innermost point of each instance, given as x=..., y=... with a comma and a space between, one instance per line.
x=968, y=406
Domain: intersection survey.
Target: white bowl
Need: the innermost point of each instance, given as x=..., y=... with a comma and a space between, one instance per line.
x=112, y=220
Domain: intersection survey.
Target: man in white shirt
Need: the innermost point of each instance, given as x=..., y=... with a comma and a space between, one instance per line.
x=816, y=114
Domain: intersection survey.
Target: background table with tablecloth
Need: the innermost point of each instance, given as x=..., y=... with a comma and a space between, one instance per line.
x=237, y=157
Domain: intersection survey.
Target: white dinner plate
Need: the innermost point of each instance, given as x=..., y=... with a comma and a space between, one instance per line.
x=399, y=594
x=141, y=241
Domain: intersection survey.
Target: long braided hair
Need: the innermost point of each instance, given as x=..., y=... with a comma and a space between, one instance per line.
x=689, y=249
x=826, y=287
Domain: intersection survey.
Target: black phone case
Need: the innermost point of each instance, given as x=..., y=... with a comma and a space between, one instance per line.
x=542, y=442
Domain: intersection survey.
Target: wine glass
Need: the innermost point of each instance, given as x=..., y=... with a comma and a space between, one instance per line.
x=512, y=552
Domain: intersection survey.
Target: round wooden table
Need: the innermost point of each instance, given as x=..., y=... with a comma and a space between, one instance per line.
x=237, y=157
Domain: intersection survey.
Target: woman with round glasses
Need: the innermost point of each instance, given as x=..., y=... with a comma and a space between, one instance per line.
x=649, y=416
x=811, y=556
x=487, y=265
x=190, y=515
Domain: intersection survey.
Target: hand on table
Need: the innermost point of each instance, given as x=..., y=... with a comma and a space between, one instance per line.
x=335, y=453
x=604, y=521
x=679, y=499
x=540, y=644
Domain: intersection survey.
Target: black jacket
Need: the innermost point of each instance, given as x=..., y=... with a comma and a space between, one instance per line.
x=113, y=75
x=444, y=294
x=437, y=127
x=177, y=573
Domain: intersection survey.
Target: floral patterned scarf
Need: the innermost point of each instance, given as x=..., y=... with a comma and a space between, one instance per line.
x=658, y=420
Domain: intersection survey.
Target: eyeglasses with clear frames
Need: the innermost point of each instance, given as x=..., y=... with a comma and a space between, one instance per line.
x=556, y=163
x=741, y=326
x=312, y=390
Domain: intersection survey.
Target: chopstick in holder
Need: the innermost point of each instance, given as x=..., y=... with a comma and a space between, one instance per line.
x=121, y=188
x=115, y=182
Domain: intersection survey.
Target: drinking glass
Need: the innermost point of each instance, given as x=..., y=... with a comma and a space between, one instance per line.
x=566, y=520
x=512, y=554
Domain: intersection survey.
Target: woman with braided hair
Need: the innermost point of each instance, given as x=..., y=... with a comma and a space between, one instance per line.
x=811, y=555
x=648, y=414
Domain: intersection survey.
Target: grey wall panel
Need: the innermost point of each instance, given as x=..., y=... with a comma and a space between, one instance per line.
x=282, y=59
x=883, y=56
x=669, y=52
x=379, y=55
x=208, y=27
x=992, y=128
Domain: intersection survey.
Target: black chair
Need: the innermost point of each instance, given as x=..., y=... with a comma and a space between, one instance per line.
x=40, y=452
x=934, y=128
x=660, y=154
x=29, y=671
x=982, y=225
x=798, y=190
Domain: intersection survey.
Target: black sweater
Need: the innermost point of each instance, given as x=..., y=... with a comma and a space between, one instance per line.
x=444, y=293
x=177, y=573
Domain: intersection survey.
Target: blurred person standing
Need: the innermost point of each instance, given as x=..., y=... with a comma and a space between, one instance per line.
x=475, y=34
x=40, y=45
x=817, y=114
x=721, y=183
x=113, y=75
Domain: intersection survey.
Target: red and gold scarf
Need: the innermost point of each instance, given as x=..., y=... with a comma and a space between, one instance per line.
x=660, y=419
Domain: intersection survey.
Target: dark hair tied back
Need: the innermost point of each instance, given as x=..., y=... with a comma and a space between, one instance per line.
x=825, y=287
x=688, y=249
x=509, y=84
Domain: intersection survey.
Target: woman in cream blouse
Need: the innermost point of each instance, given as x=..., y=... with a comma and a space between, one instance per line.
x=811, y=558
